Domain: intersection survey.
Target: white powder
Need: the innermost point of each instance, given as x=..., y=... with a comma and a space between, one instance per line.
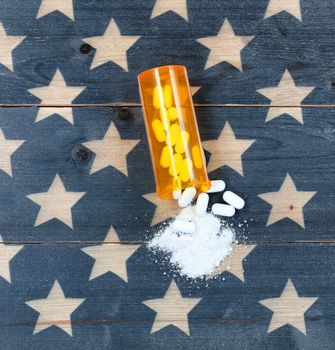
x=199, y=253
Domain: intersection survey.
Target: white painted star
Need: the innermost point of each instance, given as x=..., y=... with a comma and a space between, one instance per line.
x=56, y=203
x=288, y=202
x=285, y=97
x=55, y=310
x=234, y=262
x=289, y=309
x=227, y=150
x=111, y=46
x=8, y=44
x=63, y=6
x=172, y=309
x=111, y=151
x=225, y=47
x=7, y=253
x=165, y=209
x=276, y=6
x=177, y=6
x=8, y=148
x=111, y=256
x=57, y=93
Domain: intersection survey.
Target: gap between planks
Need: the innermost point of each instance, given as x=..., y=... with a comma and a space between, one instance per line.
x=269, y=242
x=137, y=105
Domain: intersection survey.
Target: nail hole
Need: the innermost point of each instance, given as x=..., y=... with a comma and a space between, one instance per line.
x=85, y=48
x=332, y=83
x=291, y=207
x=82, y=154
x=125, y=114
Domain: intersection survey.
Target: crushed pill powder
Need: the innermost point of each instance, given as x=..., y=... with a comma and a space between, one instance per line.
x=199, y=253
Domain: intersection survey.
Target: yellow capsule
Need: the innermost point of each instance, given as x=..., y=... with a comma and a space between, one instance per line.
x=173, y=114
x=168, y=95
x=164, y=118
x=197, y=157
x=176, y=184
x=174, y=133
x=158, y=97
x=165, y=160
x=176, y=164
x=158, y=129
x=182, y=141
x=186, y=170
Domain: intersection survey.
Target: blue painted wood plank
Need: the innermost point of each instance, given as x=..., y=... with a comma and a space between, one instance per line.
x=280, y=42
x=53, y=146
x=229, y=315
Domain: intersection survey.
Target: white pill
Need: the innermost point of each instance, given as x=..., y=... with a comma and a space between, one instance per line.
x=202, y=204
x=233, y=199
x=223, y=209
x=187, y=197
x=176, y=194
x=184, y=226
x=217, y=186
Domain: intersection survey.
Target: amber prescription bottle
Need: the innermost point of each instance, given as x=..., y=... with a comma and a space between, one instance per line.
x=172, y=130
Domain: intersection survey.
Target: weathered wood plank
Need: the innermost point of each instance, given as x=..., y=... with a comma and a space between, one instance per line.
x=280, y=41
x=109, y=187
x=228, y=310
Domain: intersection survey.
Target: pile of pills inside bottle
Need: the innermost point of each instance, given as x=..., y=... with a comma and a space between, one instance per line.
x=173, y=135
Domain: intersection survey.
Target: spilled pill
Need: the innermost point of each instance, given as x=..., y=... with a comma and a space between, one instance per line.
x=176, y=194
x=184, y=226
x=202, y=204
x=187, y=197
x=223, y=209
x=233, y=199
x=217, y=186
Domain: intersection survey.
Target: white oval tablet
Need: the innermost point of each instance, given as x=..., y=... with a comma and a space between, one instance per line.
x=233, y=199
x=223, y=209
x=184, y=226
x=217, y=186
x=176, y=194
x=187, y=197
x=202, y=204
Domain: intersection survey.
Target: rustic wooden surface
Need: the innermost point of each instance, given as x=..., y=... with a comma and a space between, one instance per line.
x=74, y=212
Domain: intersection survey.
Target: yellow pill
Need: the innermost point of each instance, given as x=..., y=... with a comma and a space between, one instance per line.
x=176, y=164
x=168, y=95
x=158, y=129
x=186, y=170
x=197, y=157
x=173, y=114
x=165, y=160
x=182, y=141
x=176, y=184
x=165, y=118
x=174, y=133
x=158, y=97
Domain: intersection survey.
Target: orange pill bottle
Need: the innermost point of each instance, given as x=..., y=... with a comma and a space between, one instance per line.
x=174, y=141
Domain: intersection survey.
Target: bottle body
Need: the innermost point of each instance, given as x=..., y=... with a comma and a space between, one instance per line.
x=174, y=140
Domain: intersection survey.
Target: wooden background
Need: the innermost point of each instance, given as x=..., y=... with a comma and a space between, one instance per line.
x=59, y=126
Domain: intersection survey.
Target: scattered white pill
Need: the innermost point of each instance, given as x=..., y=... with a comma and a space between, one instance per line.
x=184, y=226
x=223, y=209
x=233, y=199
x=187, y=197
x=217, y=186
x=202, y=204
x=176, y=194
